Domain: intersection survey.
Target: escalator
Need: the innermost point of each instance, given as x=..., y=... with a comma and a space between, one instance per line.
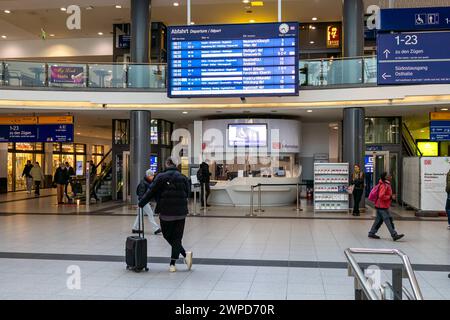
x=409, y=146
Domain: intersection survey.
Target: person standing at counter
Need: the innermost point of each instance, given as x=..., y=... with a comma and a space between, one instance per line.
x=358, y=188
x=203, y=176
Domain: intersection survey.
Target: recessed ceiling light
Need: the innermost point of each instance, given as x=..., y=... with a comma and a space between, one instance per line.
x=314, y=19
x=422, y=131
x=7, y=11
x=252, y=21
x=192, y=22
x=245, y=1
x=78, y=133
x=51, y=35
x=100, y=33
x=309, y=111
x=4, y=37
x=444, y=109
x=118, y=6
x=63, y=9
x=257, y=3
x=312, y=27
x=185, y=112
x=311, y=42
x=176, y=4
x=336, y=128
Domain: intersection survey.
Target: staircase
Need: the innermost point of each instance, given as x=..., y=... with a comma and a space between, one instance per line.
x=104, y=190
x=409, y=146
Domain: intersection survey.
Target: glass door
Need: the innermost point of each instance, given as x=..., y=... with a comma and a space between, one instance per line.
x=21, y=161
x=376, y=163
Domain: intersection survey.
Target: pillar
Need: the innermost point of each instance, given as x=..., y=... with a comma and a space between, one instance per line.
x=139, y=148
x=353, y=22
x=353, y=139
x=48, y=163
x=139, y=76
x=353, y=27
x=4, y=168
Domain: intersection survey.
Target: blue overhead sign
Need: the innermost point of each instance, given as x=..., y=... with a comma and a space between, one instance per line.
x=233, y=60
x=55, y=133
x=413, y=58
x=410, y=19
x=36, y=133
x=440, y=130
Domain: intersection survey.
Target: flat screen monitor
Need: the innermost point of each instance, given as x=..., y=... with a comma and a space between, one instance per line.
x=154, y=163
x=247, y=135
x=234, y=60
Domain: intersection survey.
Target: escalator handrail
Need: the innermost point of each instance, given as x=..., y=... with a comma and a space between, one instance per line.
x=411, y=138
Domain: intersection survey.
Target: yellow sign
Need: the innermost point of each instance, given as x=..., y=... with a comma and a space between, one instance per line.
x=333, y=37
x=18, y=120
x=55, y=120
x=440, y=116
x=428, y=148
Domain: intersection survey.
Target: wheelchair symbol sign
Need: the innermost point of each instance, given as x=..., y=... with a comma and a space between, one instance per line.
x=421, y=19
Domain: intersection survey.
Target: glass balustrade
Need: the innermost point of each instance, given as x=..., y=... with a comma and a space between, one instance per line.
x=312, y=73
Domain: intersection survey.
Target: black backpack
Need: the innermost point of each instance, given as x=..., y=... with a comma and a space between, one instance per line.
x=141, y=189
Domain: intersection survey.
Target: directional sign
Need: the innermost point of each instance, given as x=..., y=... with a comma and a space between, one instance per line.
x=18, y=133
x=440, y=130
x=410, y=19
x=414, y=58
x=55, y=133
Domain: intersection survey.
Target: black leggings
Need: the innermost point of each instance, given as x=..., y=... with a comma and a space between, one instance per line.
x=173, y=233
x=357, y=195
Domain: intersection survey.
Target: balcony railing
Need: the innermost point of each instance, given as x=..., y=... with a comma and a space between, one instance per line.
x=359, y=71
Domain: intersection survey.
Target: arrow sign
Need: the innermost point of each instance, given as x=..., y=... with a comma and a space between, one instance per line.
x=386, y=76
x=386, y=52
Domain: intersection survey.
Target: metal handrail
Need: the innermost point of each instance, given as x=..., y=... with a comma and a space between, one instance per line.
x=404, y=290
x=410, y=140
x=417, y=294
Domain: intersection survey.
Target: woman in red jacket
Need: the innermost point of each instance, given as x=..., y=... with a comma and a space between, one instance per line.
x=382, y=206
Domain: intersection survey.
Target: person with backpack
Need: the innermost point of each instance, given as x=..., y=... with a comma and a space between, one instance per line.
x=203, y=176
x=171, y=189
x=27, y=175
x=142, y=188
x=381, y=195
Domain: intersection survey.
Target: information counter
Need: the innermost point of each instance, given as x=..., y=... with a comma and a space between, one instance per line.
x=237, y=192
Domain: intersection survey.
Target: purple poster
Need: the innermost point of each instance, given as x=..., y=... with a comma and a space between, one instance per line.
x=65, y=74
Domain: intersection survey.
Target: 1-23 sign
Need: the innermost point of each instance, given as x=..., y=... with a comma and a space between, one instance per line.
x=408, y=40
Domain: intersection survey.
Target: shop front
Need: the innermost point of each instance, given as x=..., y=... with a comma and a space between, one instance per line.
x=18, y=155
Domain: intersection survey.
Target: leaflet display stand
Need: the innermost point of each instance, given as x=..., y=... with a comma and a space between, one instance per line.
x=330, y=187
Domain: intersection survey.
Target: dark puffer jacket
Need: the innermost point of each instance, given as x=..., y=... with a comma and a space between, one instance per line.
x=171, y=189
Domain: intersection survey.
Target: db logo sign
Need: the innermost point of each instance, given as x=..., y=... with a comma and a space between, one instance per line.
x=427, y=162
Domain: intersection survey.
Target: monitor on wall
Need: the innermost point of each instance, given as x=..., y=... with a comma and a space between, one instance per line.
x=247, y=135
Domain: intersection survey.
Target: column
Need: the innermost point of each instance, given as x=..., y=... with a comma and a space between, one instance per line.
x=140, y=47
x=353, y=23
x=353, y=30
x=48, y=161
x=353, y=139
x=139, y=148
x=4, y=168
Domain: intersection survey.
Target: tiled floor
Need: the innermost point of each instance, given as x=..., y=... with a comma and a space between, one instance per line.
x=259, y=243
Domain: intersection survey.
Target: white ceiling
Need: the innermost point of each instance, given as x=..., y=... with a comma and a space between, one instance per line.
x=29, y=16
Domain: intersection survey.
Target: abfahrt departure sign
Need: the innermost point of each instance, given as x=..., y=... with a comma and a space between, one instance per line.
x=236, y=60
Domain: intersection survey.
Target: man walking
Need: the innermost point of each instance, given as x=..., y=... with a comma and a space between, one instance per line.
x=28, y=178
x=144, y=185
x=382, y=205
x=171, y=189
x=60, y=179
x=38, y=176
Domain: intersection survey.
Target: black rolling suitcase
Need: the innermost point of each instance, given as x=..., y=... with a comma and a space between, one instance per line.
x=136, y=249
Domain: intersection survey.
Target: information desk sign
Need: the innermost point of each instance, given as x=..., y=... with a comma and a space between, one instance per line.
x=233, y=60
x=412, y=19
x=440, y=126
x=414, y=58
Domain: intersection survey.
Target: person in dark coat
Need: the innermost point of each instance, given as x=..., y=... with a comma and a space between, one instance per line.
x=60, y=179
x=203, y=176
x=171, y=189
x=27, y=175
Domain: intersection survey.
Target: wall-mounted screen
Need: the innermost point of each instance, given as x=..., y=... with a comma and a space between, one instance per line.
x=247, y=135
x=239, y=60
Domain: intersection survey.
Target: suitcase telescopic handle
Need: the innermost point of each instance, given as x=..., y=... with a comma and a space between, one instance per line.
x=141, y=221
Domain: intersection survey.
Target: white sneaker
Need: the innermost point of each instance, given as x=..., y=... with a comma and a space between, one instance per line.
x=172, y=269
x=188, y=259
x=448, y=227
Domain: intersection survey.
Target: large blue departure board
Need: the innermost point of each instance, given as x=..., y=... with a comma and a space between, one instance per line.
x=236, y=60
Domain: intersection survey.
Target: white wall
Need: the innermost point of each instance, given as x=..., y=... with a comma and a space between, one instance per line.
x=56, y=48
x=315, y=139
